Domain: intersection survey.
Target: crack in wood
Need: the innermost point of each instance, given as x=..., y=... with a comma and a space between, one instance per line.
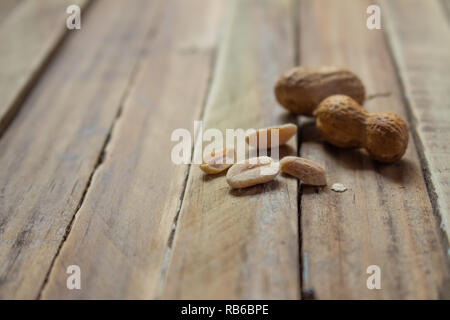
x=413, y=122
x=102, y=154
x=170, y=240
x=15, y=107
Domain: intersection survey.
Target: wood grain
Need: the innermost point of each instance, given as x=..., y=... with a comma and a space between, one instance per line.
x=49, y=152
x=121, y=232
x=28, y=37
x=385, y=218
x=241, y=244
x=420, y=42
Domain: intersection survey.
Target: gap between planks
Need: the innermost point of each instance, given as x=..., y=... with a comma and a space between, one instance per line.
x=102, y=152
x=420, y=236
x=101, y=155
x=413, y=128
x=432, y=194
x=185, y=42
x=13, y=107
x=296, y=32
x=213, y=66
x=217, y=114
x=295, y=25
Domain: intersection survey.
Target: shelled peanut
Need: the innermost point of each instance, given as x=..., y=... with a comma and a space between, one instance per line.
x=218, y=161
x=344, y=123
x=301, y=89
x=309, y=172
x=262, y=138
x=263, y=169
x=252, y=171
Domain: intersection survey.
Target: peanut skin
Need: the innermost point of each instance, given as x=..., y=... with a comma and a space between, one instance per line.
x=301, y=89
x=344, y=123
x=309, y=172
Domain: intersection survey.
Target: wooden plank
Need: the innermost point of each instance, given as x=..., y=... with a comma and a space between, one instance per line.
x=51, y=149
x=446, y=5
x=28, y=37
x=385, y=218
x=6, y=7
x=121, y=233
x=244, y=243
x=420, y=42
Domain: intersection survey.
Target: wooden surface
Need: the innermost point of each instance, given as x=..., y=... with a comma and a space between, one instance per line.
x=385, y=218
x=86, y=175
x=51, y=149
x=28, y=36
x=424, y=66
x=228, y=243
x=127, y=233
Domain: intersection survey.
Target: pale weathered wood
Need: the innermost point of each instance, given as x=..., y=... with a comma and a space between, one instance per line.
x=240, y=244
x=420, y=40
x=49, y=152
x=446, y=5
x=385, y=218
x=120, y=236
x=28, y=37
x=6, y=7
